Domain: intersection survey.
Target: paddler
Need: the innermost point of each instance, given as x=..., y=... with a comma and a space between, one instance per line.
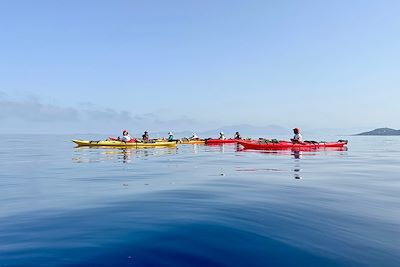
x=145, y=136
x=297, y=138
x=222, y=136
x=194, y=137
x=237, y=136
x=125, y=136
x=170, y=137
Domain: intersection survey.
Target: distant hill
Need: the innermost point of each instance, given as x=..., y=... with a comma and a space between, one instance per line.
x=382, y=132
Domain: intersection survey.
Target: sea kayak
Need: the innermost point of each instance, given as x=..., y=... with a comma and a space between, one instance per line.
x=191, y=142
x=220, y=141
x=282, y=145
x=110, y=143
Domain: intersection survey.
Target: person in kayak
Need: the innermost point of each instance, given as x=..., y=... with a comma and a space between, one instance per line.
x=221, y=136
x=297, y=138
x=170, y=137
x=237, y=136
x=194, y=137
x=125, y=136
x=145, y=136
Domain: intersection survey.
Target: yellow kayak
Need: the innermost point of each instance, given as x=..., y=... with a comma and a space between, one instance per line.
x=191, y=142
x=109, y=143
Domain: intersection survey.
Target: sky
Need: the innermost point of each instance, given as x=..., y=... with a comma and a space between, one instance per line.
x=102, y=66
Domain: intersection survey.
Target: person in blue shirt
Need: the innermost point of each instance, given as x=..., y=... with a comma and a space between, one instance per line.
x=170, y=137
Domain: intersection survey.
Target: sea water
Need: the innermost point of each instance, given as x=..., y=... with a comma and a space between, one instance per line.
x=198, y=205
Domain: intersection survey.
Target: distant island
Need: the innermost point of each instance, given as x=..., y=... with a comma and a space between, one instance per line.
x=382, y=132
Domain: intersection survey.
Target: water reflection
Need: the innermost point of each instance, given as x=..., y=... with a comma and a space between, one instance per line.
x=195, y=148
x=296, y=155
x=124, y=155
x=296, y=171
x=215, y=148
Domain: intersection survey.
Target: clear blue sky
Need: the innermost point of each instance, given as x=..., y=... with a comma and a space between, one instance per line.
x=82, y=65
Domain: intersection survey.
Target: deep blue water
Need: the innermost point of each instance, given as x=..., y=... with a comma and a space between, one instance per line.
x=198, y=205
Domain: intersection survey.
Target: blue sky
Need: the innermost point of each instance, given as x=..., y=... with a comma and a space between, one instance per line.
x=69, y=66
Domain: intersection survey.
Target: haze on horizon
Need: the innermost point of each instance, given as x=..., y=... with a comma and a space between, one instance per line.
x=99, y=66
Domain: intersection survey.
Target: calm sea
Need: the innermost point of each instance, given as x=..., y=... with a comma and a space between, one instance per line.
x=198, y=205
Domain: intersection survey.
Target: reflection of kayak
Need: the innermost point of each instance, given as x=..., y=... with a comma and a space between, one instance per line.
x=219, y=141
x=262, y=145
x=191, y=142
x=110, y=143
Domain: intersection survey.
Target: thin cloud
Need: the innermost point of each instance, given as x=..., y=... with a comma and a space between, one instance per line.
x=33, y=110
x=39, y=116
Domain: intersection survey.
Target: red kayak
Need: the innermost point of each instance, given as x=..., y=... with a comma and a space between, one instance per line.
x=220, y=141
x=281, y=145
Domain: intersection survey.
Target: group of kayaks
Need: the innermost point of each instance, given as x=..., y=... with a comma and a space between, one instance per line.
x=261, y=144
